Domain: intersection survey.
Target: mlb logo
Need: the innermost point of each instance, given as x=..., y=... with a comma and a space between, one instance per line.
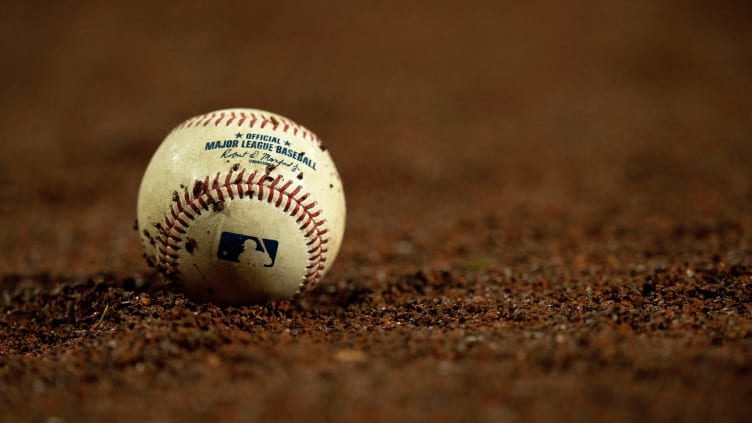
x=231, y=245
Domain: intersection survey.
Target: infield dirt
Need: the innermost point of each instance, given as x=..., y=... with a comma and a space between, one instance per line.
x=548, y=212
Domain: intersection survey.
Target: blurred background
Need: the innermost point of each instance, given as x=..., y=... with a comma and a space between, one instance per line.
x=449, y=110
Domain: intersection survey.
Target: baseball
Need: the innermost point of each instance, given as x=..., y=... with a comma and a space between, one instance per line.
x=241, y=206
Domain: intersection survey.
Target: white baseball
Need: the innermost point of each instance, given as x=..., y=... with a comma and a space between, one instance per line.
x=241, y=206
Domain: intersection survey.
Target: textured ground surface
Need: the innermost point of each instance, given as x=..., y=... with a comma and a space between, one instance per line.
x=548, y=212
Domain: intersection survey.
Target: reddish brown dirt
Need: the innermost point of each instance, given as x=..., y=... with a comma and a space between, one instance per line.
x=548, y=212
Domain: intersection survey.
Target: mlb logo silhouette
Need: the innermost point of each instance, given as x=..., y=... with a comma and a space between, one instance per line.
x=231, y=245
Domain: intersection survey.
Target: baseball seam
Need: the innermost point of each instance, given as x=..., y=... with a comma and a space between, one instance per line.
x=251, y=120
x=211, y=194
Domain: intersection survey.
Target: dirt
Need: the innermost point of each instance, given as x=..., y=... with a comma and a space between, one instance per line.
x=548, y=212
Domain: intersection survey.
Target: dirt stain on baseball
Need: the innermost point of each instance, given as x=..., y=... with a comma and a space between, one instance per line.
x=190, y=245
x=198, y=187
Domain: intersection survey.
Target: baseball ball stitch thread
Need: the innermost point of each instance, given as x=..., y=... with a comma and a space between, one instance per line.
x=204, y=198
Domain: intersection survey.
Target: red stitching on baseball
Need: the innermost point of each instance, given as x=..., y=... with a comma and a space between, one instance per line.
x=199, y=198
x=221, y=116
x=238, y=118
